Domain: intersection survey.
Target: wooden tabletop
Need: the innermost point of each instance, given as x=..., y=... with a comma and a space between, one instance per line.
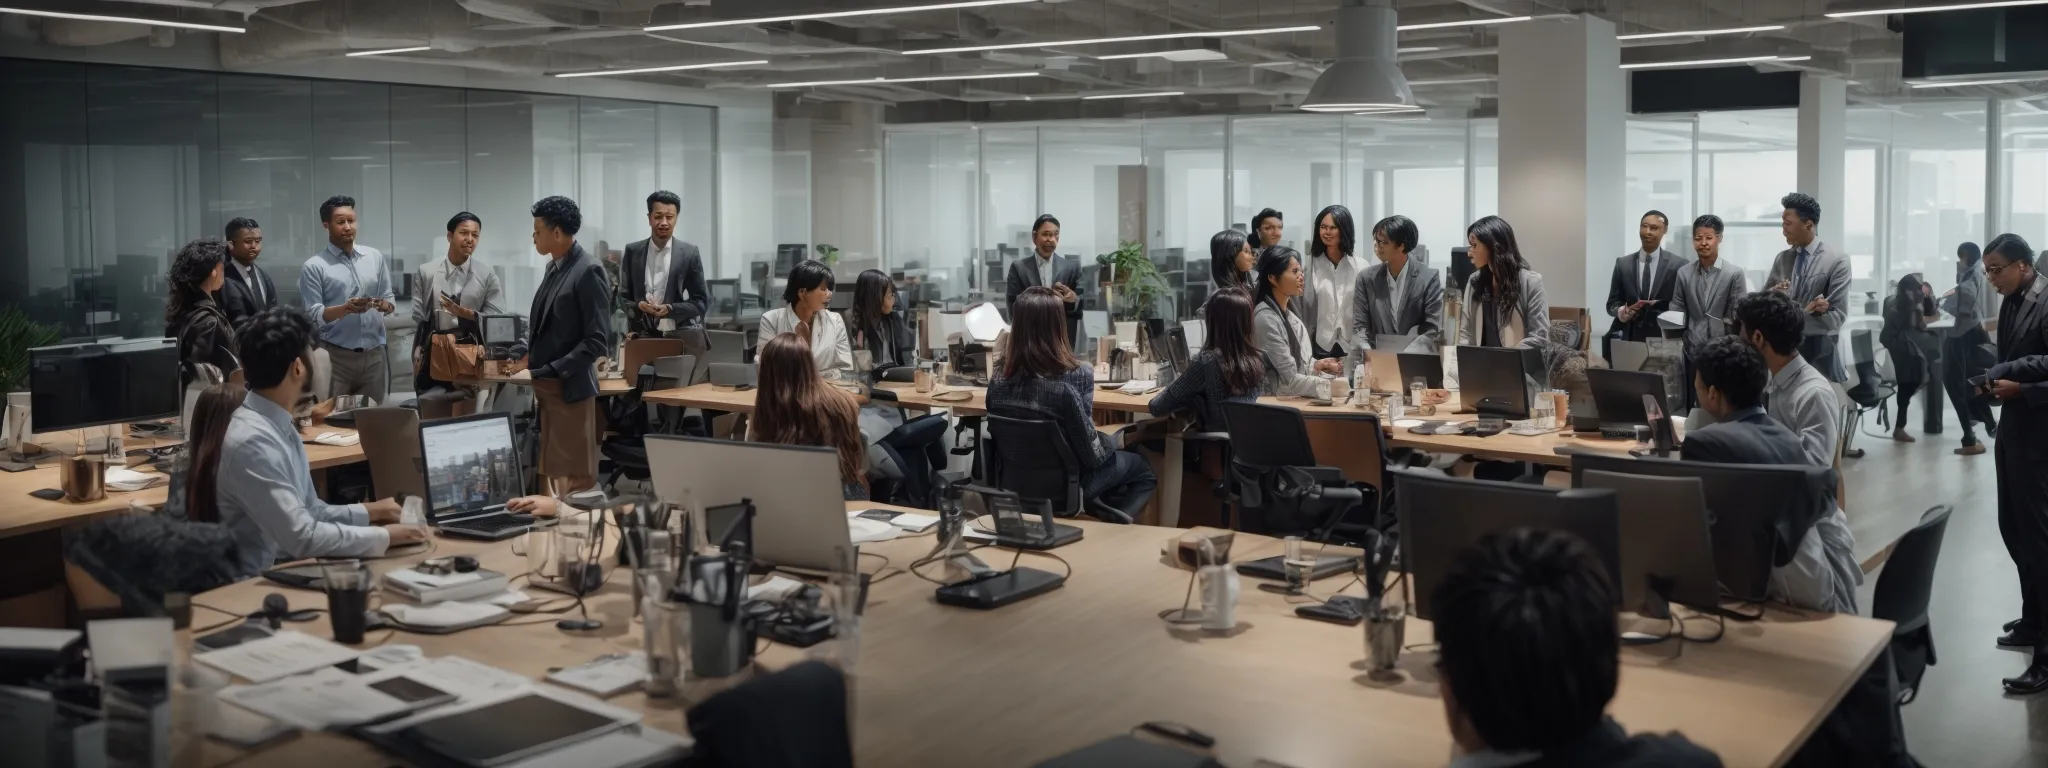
x=946, y=686
x=605, y=387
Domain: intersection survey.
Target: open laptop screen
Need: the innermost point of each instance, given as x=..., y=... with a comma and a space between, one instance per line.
x=470, y=463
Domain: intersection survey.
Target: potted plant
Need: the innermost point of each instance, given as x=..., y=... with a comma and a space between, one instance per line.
x=828, y=254
x=18, y=335
x=1135, y=287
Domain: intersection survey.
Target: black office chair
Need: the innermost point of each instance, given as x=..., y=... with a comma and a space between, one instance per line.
x=1902, y=594
x=626, y=417
x=1032, y=460
x=796, y=718
x=1870, y=392
x=1280, y=487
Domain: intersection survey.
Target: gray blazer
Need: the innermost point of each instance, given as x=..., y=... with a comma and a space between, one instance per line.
x=1282, y=338
x=1828, y=276
x=1527, y=326
x=1418, y=310
x=1971, y=303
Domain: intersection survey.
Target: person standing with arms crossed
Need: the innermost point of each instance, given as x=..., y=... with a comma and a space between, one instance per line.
x=340, y=285
x=570, y=319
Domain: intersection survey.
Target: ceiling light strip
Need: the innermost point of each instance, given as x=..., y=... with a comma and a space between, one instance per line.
x=834, y=14
x=1101, y=40
x=1699, y=62
x=1935, y=8
x=1468, y=23
x=123, y=20
x=676, y=68
x=875, y=80
x=1146, y=95
x=414, y=49
x=1701, y=32
x=1965, y=83
x=1355, y=108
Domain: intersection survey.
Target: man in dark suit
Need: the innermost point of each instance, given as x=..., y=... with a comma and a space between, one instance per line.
x=667, y=291
x=1730, y=377
x=2020, y=380
x=570, y=319
x=1046, y=268
x=248, y=289
x=1643, y=284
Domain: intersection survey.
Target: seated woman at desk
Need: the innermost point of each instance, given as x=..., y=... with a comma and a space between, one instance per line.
x=1504, y=304
x=807, y=293
x=205, y=337
x=1281, y=337
x=1040, y=379
x=877, y=326
x=1227, y=370
x=795, y=406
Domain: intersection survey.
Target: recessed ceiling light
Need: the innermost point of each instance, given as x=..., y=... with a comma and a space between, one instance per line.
x=413, y=49
x=1388, y=111
x=1469, y=23
x=124, y=20
x=1698, y=62
x=1146, y=95
x=1100, y=40
x=1418, y=49
x=1932, y=8
x=676, y=68
x=1701, y=32
x=1963, y=83
x=834, y=14
x=873, y=80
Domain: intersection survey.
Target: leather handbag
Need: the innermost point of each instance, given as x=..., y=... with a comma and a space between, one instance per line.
x=451, y=361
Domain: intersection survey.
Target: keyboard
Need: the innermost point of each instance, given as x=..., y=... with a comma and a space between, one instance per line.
x=493, y=523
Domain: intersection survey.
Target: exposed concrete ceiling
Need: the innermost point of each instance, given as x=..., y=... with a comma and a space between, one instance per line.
x=1237, y=75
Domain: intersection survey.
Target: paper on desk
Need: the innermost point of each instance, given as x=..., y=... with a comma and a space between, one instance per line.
x=278, y=656
x=1136, y=386
x=338, y=439
x=865, y=531
x=1672, y=320
x=449, y=613
x=465, y=678
x=31, y=639
x=122, y=479
x=605, y=676
x=316, y=702
x=774, y=589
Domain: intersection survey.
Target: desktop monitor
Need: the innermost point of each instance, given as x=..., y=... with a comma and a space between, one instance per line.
x=1618, y=395
x=74, y=386
x=1461, y=269
x=1667, y=549
x=471, y=464
x=787, y=255
x=1754, y=510
x=800, y=516
x=1495, y=381
x=1442, y=516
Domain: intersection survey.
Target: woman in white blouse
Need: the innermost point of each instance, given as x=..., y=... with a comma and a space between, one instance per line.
x=806, y=294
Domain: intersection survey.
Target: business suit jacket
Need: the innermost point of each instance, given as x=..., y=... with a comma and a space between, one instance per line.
x=2023, y=358
x=1282, y=341
x=1419, y=310
x=238, y=300
x=1749, y=436
x=1527, y=326
x=571, y=316
x=1626, y=289
x=1827, y=276
x=1024, y=274
x=684, y=291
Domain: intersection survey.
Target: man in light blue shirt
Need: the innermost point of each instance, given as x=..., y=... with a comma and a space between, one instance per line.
x=265, y=486
x=341, y=285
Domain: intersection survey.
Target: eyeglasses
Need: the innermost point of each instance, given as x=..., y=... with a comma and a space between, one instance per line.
x=1993, y=271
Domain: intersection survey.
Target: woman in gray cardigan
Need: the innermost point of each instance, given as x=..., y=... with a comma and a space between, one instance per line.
x=1504, y=304
x=1281, y=337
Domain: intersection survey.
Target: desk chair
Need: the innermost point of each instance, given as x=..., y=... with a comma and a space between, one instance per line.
x=626, y=447
x=1870, y=392
x=916, y=448
x=1281, y=488
x=1902, y=594
x=671, y=372
x=796, y=718
x=391, y=444
x=642, y=351
x=723, y=347
x=1023, y=465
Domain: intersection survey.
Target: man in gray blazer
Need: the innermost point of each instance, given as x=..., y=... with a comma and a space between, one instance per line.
x=1045, y=267
x=1643, y=284
x=667, y=292
x=1400, y=295
x=1817, y=278
x=566, y=332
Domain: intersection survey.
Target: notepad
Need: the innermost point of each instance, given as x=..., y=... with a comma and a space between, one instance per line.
x=276, y=657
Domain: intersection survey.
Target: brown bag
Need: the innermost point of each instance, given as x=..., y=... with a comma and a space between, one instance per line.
x=452, y=362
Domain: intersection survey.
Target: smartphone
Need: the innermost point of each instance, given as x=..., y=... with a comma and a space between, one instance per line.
x=1341, y=609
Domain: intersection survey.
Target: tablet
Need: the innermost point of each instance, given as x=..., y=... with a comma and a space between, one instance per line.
x=508, y=730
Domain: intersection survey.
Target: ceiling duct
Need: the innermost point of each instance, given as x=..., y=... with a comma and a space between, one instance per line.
x=1365, y=77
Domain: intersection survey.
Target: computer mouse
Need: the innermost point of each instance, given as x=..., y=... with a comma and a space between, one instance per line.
x=578, y=625
x=465, y=564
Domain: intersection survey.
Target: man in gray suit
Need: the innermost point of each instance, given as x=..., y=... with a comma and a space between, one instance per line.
x=567, y=328
x=1817, y=278
x=1643, y=283
x=1399, y=296
x=667, y=291
x=1046, y=268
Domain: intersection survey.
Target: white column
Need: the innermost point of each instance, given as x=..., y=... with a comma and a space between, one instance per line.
x=1823, y=105
x=1562, y=153
x=1997, y=187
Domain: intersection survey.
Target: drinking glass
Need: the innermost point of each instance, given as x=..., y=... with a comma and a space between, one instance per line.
x=1297, y=564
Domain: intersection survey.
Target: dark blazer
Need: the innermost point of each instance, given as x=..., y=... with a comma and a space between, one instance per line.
x=685, y=280
x=567, y=327
x=205, y=336
x=1024, y=274
x=1626, y=288
x=877, y=341
x=1749, y=436
x=238, y=300
x=1608, y=746
x=2023, y=358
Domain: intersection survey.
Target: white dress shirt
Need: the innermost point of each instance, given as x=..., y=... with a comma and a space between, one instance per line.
x=657, y=279
x=1333, y=284
x=831, y=350
x=1045, y=269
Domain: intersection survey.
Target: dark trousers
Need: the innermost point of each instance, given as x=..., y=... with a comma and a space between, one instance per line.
x=919, y=448
x=1124, y=482
x=2023, y=521
x=1957, y=353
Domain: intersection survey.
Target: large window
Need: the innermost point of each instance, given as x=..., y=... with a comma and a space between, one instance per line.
x=929, y=219
x=1935, y=164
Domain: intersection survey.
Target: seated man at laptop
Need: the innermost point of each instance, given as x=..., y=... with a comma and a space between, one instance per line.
x=1528, y=655
x=266, y=496
x=1729, y=376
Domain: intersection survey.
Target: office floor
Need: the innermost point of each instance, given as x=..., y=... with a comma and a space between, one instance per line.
x=1962, y=717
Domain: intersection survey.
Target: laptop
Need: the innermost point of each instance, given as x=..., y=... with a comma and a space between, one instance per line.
x=1618, y=398
x=1393, y=371
x=472, y=469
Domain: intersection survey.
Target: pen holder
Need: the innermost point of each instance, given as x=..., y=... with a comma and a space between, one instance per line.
x=1385, y=630
x=85, y=478
x=719, y=646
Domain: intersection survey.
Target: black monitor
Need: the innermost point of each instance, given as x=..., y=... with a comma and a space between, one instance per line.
x=1423, y=365
x=787, y=255
x=1495, y=381
x=1461, y=269
x=1667, y=550
x=1754, y=510
x=1442, y=516
x=74, y=386
x=1618, y=395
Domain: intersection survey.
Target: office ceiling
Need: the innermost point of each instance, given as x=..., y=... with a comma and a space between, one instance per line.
x=1452, y=68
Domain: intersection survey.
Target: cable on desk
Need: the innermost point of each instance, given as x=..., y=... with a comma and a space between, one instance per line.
x=928, y=560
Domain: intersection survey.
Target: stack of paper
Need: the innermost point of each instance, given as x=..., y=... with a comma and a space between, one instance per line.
x=277, y=657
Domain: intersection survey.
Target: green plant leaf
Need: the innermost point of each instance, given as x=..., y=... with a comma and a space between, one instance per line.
x=18, y=335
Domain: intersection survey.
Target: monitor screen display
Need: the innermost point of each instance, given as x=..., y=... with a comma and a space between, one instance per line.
x=501, y=329
x=470, y=463
x=89, y=385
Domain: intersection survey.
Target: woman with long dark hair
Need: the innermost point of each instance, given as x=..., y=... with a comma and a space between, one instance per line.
x=1906, y=314
x=875, y=325
x=204, y=434
x=1332, y=272
x=796, y=407
x=1231, y=260
x=1278, y=333
x=1227, y=370
x=1040, y=379
x=806, y=296
x=205, y=337
x=1504, y=304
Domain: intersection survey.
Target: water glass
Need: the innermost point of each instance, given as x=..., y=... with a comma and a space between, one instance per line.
x=666, y=642
x=1296, y=563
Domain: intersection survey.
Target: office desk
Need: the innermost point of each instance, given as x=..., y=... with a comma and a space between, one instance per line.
x=937, y=686
x=605, y=387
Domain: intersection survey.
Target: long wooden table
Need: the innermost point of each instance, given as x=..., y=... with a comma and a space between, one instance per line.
x=937, y=686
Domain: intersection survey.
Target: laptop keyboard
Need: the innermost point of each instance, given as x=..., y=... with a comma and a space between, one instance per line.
x=494, y=523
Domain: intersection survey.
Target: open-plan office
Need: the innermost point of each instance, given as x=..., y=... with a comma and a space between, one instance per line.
x=1020, y=382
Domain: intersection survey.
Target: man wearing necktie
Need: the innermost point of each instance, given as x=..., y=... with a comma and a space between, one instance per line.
x=1643, y=284
x=1817, y=278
